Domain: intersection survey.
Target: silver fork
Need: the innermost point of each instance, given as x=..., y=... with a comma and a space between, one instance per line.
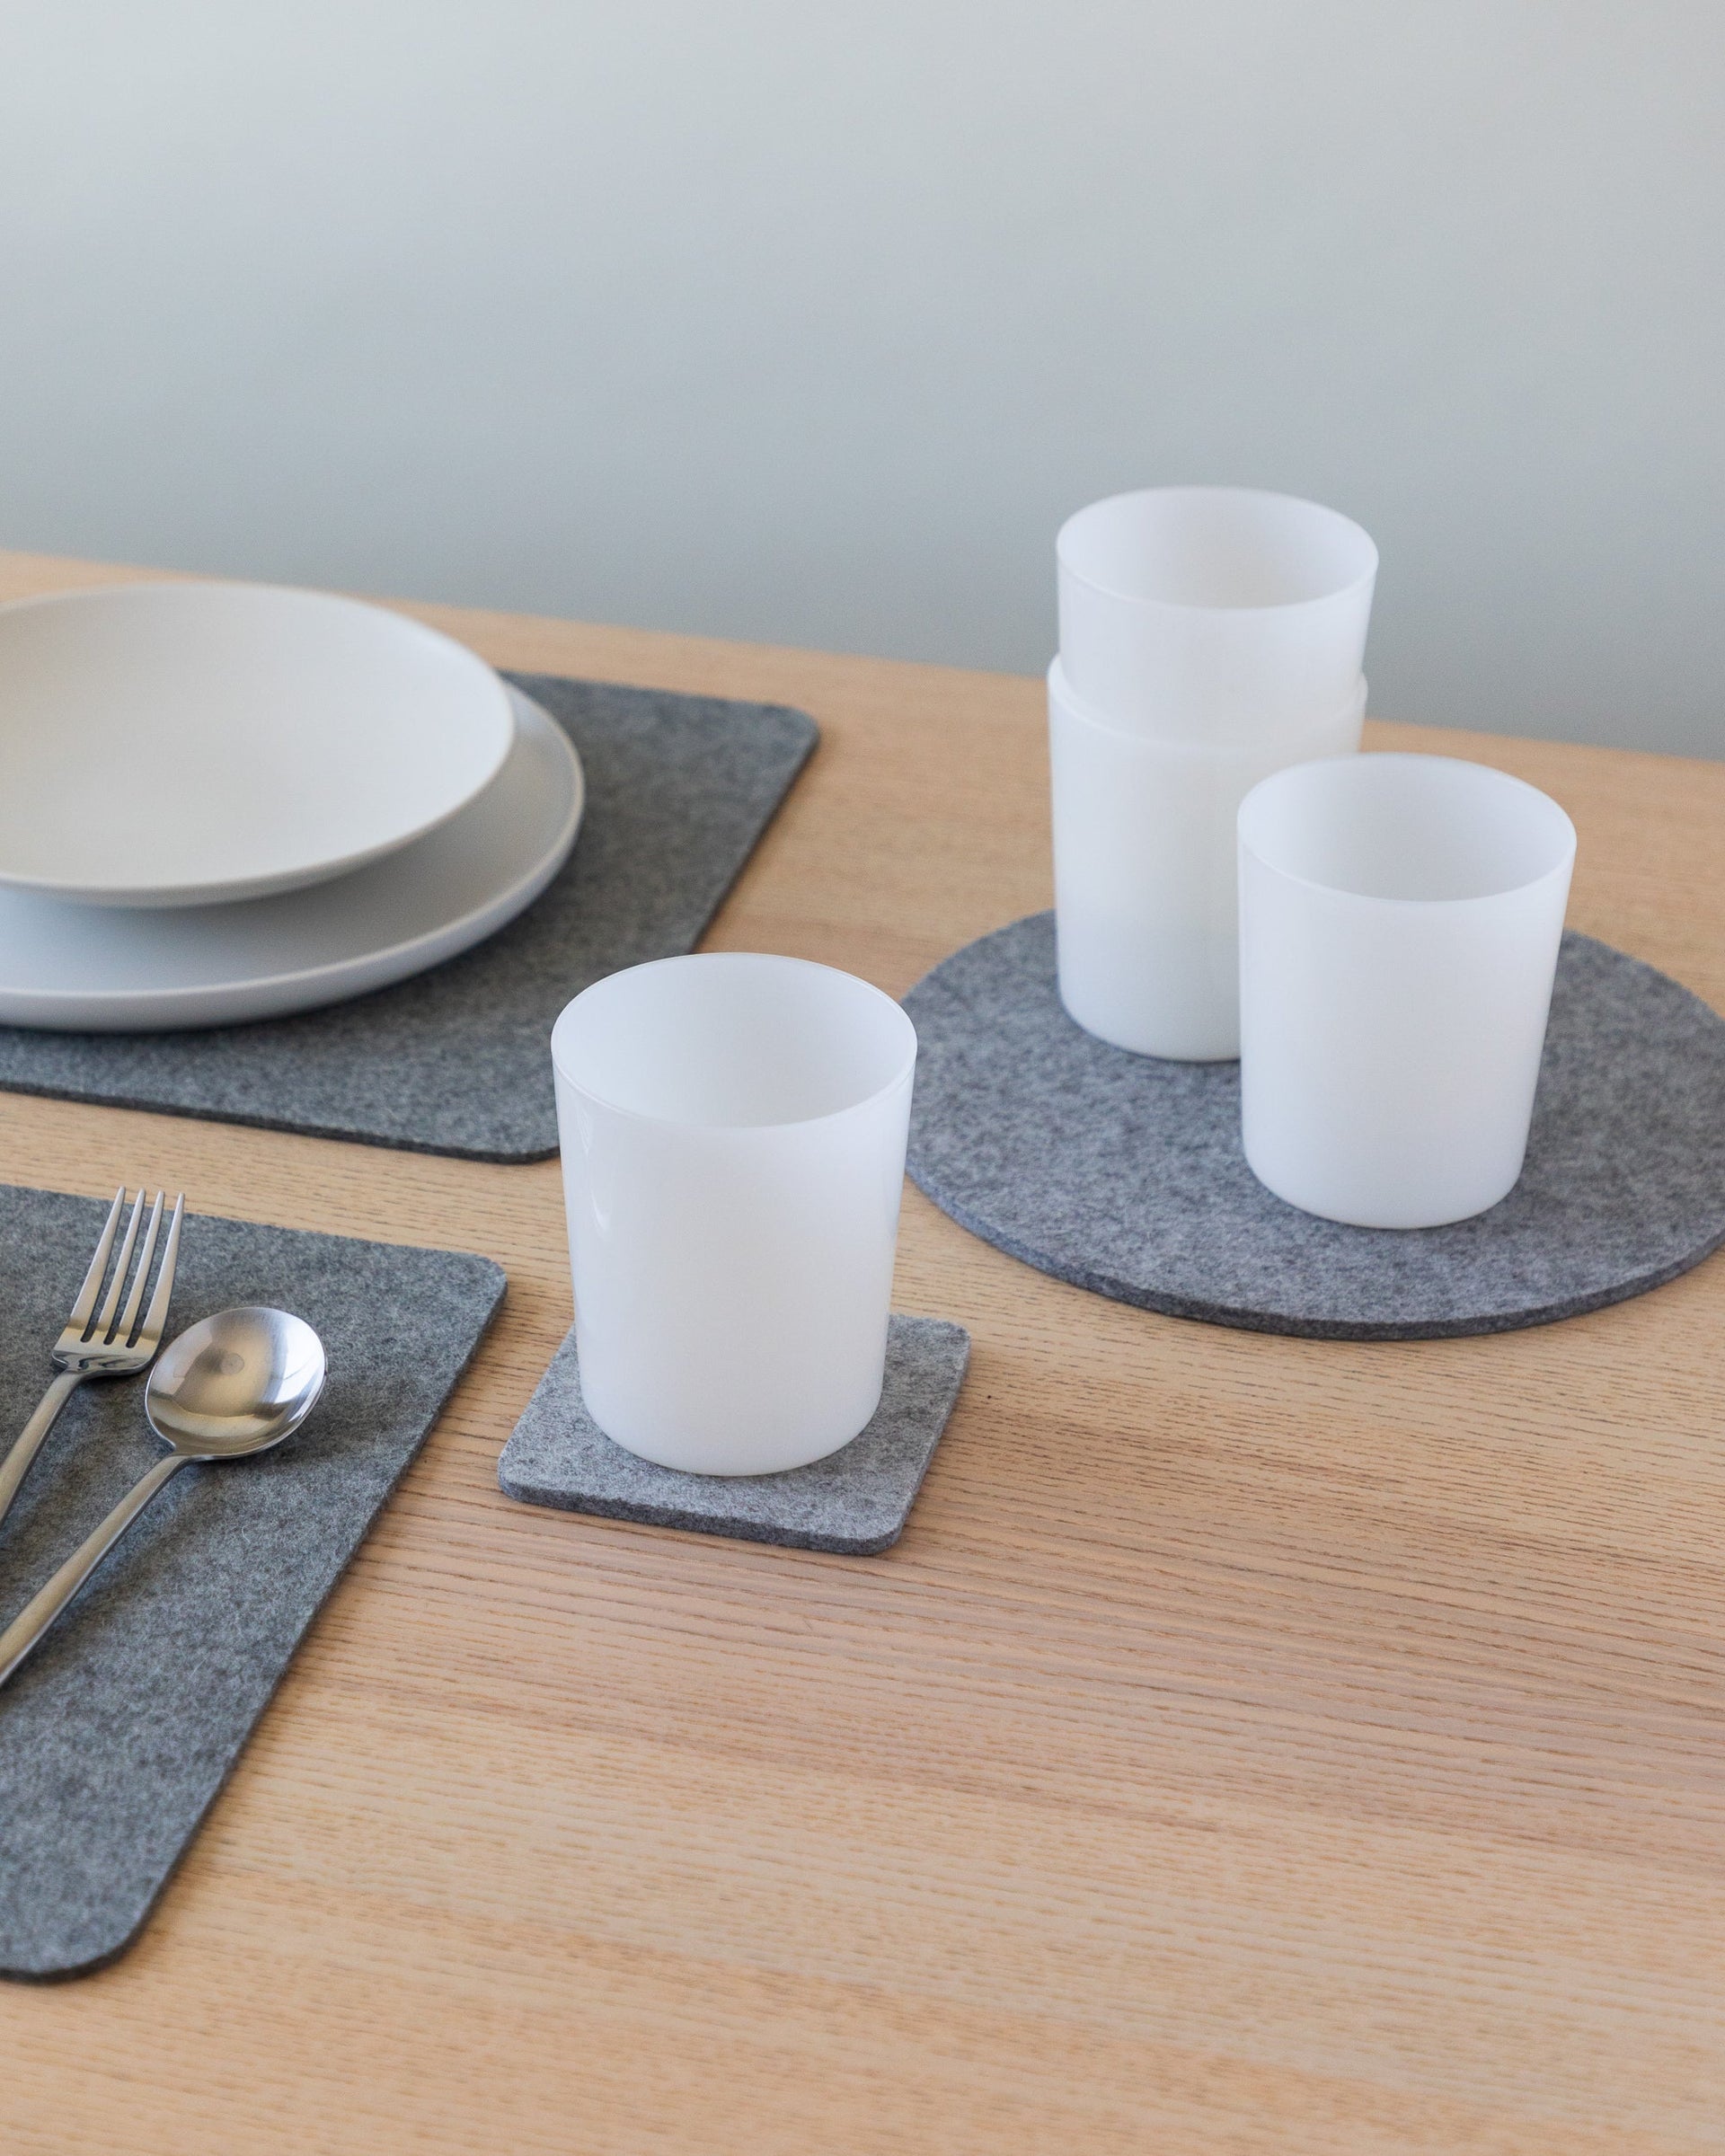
x=111, y=1342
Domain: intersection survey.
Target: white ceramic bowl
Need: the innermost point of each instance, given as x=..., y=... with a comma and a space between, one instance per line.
x=94, y=970
x=182, y=744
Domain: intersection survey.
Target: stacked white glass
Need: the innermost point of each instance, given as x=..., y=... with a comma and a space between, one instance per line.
x=1209, y=636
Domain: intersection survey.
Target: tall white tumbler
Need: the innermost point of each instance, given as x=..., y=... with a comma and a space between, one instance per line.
x=1400, y=919
x=1146, y=881
x=1208, y=636
x=733, y=1132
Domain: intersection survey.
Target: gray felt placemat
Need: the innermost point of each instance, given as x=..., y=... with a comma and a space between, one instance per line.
x=855, y=1503
x=457, y=1060
x=1124, y=1174
x=117, y=1733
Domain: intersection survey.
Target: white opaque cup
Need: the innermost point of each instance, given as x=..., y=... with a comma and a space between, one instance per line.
x=1214, y=615
x=1400, y=919
x=1147, y=885
x=733, y=1132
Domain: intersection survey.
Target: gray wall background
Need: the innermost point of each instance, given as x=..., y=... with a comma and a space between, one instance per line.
x=810, y=324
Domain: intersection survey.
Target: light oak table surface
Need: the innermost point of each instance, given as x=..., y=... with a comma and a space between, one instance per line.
x=1253, y=1744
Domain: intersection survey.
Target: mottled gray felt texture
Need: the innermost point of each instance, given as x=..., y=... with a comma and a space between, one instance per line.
x=458, y=1060
x=854, y=1502
x=1124, y=1173
x=118, y=1732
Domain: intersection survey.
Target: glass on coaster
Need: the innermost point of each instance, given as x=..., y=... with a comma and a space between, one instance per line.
x=1145, y=873
x=1213, y=614
x=733, y=1131
x=1400, y=919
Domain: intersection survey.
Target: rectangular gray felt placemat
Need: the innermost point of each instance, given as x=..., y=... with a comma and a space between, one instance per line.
x=118, y=1733
x=853, y=1503
x=457, y=1060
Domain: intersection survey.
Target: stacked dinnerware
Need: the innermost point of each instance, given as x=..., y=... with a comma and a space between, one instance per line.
x=1209, y=636
x=226, y=801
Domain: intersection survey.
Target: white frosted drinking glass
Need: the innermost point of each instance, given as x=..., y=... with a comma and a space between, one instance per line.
x=1213, y=614
x=1145, y=880
x=733, y=1133
x=1399, y=927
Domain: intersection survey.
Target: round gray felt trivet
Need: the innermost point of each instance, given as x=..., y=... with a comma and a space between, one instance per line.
x=1124, y=1174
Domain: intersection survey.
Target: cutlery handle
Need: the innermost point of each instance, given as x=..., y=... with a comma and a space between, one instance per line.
x=28, y=1441
x=41, y=1611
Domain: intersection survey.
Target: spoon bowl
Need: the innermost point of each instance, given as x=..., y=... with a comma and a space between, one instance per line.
x=235, y=1384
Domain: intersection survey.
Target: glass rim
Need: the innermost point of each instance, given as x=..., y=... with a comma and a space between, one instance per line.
x=1289, y=776
x=903, y=1072
x=1276, y=609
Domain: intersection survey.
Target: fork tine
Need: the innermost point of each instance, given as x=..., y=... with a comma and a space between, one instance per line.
x=128, y=1316
x=105, y=1322
x=93, y=1279
x=156, y=1316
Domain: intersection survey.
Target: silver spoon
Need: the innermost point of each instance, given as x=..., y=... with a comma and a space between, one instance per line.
x=230, y=1385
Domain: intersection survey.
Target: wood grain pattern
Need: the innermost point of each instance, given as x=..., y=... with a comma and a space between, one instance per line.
x=1253, y=1744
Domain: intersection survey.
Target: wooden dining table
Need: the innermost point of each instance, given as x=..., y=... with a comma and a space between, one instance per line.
x=1253, y=1744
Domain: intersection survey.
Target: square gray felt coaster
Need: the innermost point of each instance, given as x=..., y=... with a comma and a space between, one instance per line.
x=458, y=1060
x=118, y=1731
x=855, y=1503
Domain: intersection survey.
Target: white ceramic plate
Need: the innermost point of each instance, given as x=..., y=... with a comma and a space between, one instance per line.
x=184, y=744
x=83, y=969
